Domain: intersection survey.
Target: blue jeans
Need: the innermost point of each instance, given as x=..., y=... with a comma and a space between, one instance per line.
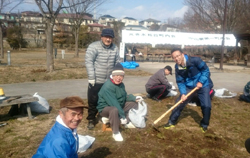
x=205, y=102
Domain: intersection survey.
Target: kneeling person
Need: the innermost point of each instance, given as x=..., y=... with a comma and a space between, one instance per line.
x=158, y=86
x=114, y=103
x=62, y=140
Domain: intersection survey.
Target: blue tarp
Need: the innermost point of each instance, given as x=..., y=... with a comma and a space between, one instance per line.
x=130, y=65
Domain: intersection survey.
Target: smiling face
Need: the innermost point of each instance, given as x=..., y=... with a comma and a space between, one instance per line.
x=118, y=78
x=106, y=40
x=72, y=117
x=178, y=57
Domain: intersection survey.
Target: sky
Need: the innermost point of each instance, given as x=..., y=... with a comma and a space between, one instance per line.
x=138, y=9
x=144, y=9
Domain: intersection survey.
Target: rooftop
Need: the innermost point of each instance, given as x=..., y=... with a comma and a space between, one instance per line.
x=150, y=20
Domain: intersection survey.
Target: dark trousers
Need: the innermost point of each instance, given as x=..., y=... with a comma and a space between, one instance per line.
x=205, y=103
x=158, y=91
x=112, y=114
x=133, y=58
x=245, y=98
x=92, y=100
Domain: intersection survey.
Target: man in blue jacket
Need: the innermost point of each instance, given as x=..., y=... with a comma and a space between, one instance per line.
x=62, y=140
x=191, y=72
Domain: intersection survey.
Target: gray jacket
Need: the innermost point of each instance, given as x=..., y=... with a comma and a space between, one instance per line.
x=158, y=78
x=100, y=61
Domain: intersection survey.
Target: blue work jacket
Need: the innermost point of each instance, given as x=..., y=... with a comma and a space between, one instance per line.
x=196, y=70
x=59, y=142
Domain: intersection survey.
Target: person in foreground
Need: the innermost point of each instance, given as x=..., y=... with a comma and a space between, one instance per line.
x=114, y=103
x=247, y=145
x=101, y=57
x=158, y=86
x=246, y=93
x=62, y=139
x=191, y=72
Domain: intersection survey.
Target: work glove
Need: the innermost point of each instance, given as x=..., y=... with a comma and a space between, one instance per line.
x=92, y=82
x=123, y=121
x=139, y=98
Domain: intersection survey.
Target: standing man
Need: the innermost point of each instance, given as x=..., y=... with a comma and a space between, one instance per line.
x=133, y=52
x=101, y=57
x=158, y=86
x=191, y=72
x=62, y=140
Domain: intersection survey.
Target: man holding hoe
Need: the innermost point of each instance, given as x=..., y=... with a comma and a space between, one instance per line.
x=191, y=72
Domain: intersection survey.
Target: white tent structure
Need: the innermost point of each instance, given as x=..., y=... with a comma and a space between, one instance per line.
x=174, y=38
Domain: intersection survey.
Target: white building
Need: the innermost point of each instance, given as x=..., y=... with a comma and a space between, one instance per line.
x=135, y=28
x=130, y=21
x=148, y=22
x=105, y=19
x=169, y=28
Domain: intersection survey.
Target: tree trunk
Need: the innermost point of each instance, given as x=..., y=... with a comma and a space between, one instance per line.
x=76, y=42
x=1, y=42
x=49, y=49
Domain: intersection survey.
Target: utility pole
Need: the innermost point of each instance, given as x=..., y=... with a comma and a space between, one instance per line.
x=223, y=37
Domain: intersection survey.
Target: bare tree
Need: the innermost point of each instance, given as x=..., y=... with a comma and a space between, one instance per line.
x=79, y=10
x=154, y=27
x=244, y=23
x=176, y=21
x=117, y=27
x=50, y=9
x=7, y=6
x=208, y=15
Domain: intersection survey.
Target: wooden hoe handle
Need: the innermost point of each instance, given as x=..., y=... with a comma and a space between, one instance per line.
x=180, y=101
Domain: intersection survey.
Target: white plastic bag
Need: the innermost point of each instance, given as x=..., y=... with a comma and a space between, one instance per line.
x=172, y=93
x=224, y=93
x=137, y=117
x=40, y=106
x=85, y=142
x=173, y=87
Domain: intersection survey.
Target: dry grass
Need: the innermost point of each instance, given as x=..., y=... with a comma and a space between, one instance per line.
x=30, y=66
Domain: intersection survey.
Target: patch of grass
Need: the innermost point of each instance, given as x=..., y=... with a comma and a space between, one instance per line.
x=31, y=66
x=204, y=151
x=38, y=70
x=8, y=130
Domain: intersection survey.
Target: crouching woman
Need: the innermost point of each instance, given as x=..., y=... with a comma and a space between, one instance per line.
x=114, y=103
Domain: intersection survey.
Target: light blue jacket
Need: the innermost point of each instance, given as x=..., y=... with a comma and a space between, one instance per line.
x=59, y=142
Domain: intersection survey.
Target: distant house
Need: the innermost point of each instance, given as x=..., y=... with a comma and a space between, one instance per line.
x=106, y=19
x=135, y=28
x=32, y=21
x=69, y=18
x=30, y=16
x=130, y=21
x=65, y=21
x=96, y=28
x=169, y=28
x=8, y=19
x=148, y=22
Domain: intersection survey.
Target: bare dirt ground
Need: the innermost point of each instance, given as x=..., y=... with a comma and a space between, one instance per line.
x=228, y=130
